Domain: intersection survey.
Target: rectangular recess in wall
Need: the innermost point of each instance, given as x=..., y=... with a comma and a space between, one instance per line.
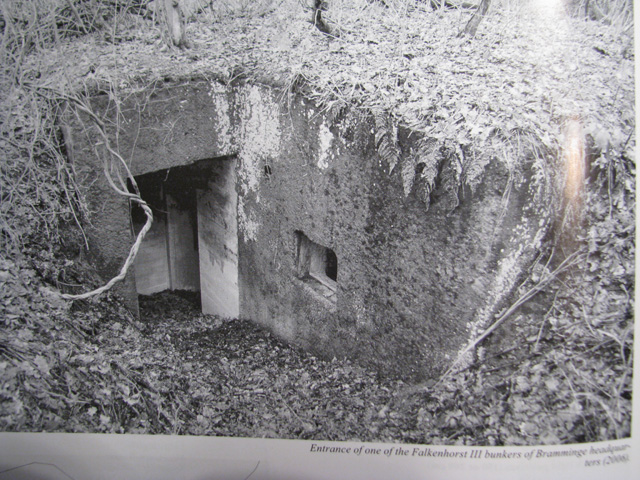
x=317, y=265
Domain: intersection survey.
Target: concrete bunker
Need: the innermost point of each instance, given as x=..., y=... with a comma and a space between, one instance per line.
x=193, y=242
x=298, y=222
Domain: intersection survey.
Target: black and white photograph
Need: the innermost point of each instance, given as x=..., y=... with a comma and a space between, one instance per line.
x=395, y=228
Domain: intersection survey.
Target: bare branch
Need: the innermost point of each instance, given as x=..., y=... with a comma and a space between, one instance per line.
x=472, y=25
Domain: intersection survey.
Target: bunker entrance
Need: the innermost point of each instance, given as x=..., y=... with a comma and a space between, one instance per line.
x=193, y=242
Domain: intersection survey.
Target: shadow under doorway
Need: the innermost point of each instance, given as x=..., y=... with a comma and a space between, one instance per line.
x=193, y=242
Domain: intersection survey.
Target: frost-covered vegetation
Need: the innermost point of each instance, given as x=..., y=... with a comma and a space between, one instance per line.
x=88, y=366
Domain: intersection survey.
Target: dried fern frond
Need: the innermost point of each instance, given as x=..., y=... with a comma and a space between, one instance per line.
x=431, y=159
x=386, y=135
x=408, y=174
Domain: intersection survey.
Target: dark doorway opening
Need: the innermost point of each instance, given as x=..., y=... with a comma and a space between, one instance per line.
x=192, y=244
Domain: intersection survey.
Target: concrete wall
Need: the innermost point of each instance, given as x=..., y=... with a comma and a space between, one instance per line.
x=414, y=286
x=218, y=240
x=151, y=265
x=168, y=256
x=182, y=246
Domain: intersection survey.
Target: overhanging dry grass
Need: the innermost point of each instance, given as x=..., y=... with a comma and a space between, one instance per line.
x=518, y=75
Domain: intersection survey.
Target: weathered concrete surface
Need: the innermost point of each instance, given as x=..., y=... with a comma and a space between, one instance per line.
x=183, y=255
x=218, y=241
x=414, y=286
x=151, y=265
x=168, y=258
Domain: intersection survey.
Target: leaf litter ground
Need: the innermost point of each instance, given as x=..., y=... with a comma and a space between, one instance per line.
x=239, y=380
x=231, y=378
